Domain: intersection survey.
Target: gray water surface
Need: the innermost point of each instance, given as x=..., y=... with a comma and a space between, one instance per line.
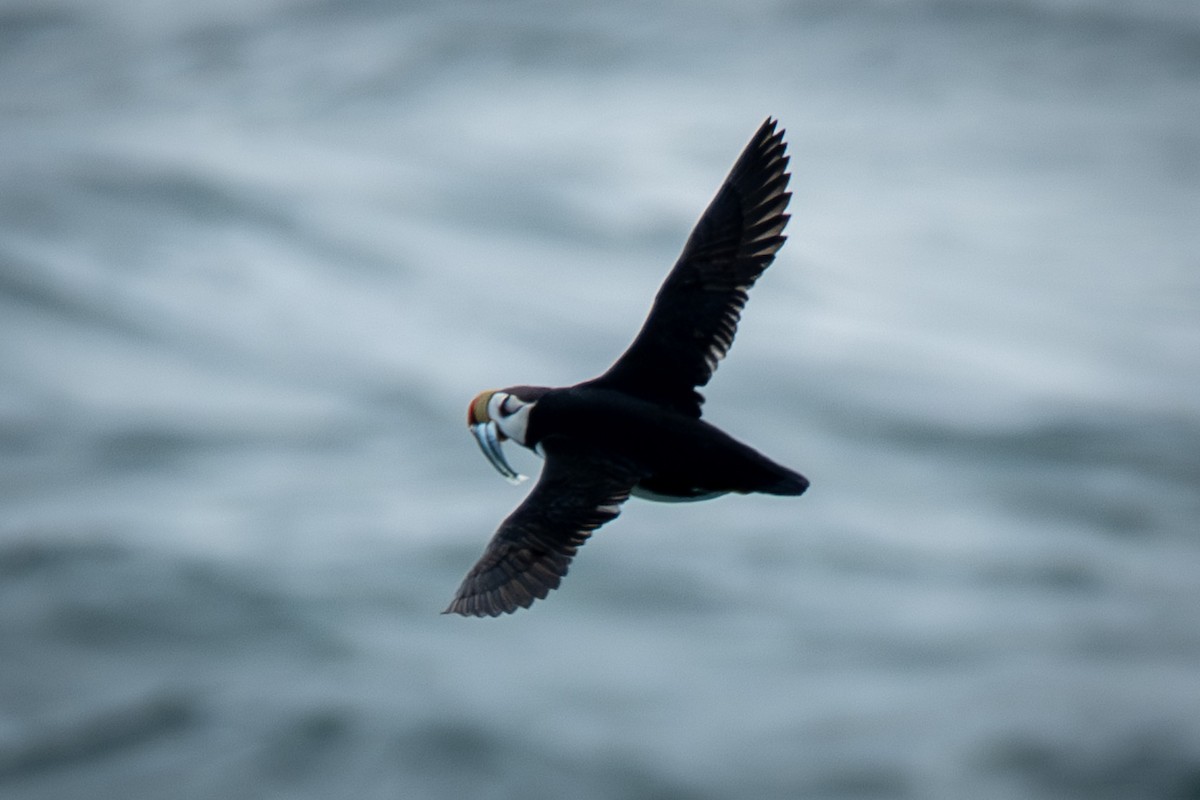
x=256, y=258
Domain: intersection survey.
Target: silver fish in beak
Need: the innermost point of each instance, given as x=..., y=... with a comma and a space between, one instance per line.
x=488, y=436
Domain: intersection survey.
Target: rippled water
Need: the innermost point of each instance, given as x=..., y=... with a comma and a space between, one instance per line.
x=256, y=257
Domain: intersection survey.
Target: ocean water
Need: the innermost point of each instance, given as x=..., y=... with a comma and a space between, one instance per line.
x=256, y=257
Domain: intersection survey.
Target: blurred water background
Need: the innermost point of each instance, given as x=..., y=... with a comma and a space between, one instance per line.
x=256, y=257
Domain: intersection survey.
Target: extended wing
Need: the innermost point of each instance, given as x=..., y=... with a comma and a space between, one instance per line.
x=695, y=315
x=528, y=556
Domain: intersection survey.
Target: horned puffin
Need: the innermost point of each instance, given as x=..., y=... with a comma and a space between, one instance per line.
x=636, y=429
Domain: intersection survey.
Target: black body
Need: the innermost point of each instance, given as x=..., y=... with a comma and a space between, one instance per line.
x=637, y=428
x=678, y=456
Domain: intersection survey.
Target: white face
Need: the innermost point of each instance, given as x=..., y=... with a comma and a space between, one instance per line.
x=511, y=415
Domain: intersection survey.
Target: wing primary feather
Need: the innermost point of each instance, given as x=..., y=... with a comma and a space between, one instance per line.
x=693, y=321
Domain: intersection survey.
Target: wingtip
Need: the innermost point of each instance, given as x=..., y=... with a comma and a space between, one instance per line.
x=505, y=598
x=462, y=608
x=770, y=129
x=455, y=607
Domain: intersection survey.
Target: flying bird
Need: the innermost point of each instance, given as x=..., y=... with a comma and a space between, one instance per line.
x=636, y=429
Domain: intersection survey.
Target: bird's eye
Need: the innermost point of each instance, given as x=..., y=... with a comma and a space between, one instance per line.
x=504, y=408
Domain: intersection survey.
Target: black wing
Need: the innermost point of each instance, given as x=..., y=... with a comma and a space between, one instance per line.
x=577, y=492
x=695, y=315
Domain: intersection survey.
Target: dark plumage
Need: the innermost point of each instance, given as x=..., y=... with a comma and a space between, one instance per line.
x=636, y=429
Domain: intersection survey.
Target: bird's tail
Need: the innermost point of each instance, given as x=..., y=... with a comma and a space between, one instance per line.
x=787, y=483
